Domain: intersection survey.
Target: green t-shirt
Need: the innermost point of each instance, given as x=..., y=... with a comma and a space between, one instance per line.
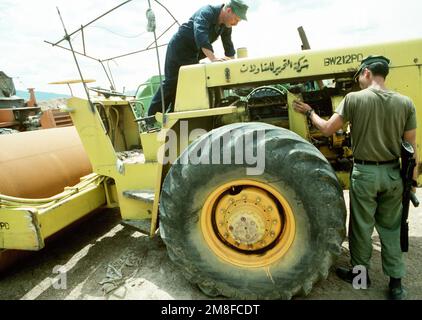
x=378, y=120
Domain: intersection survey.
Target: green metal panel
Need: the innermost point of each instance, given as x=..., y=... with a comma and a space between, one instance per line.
x=144, y=95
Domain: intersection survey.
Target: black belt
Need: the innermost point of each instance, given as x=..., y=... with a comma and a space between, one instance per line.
x=375, y=163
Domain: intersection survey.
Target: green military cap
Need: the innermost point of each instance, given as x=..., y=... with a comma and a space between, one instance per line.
x=366, y=62
x=239, y=8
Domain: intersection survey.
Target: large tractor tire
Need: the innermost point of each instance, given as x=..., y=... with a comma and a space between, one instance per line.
x=271, y=236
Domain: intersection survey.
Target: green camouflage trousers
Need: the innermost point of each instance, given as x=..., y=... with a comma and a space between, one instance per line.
x=376, y=201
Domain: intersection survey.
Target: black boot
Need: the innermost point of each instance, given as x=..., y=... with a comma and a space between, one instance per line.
x=396, y=292
x=348, y=276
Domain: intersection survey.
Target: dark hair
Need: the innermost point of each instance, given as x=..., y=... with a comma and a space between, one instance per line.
x=379, y=69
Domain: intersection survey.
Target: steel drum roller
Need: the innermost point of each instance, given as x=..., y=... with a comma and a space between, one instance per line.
x=40, y=164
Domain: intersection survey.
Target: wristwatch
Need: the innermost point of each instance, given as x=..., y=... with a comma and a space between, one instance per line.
x=309, y=113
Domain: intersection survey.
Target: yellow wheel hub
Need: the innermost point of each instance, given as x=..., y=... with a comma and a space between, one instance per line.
x=247, y=223
x=249, y=220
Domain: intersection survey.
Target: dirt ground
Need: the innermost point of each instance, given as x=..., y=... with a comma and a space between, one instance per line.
x=106, y=260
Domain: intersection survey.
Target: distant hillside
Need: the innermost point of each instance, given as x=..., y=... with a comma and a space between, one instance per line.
x=41, y=96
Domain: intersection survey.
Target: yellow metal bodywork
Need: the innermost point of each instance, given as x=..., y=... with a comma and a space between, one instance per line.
x=140, y=174
x=192, y=80
x=297, y=121
x=310, y=64
x=26, y=223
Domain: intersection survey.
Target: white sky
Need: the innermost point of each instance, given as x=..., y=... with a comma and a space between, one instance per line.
x=271, y=29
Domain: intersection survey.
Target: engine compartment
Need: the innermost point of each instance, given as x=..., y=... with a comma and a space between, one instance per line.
x=270, y=104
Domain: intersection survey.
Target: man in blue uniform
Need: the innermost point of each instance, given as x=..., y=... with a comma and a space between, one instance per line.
x=193, y=42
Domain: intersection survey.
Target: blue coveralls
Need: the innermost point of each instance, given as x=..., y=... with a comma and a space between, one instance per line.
x=184, y=48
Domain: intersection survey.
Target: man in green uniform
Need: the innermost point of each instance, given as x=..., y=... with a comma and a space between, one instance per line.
x=380, y=119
